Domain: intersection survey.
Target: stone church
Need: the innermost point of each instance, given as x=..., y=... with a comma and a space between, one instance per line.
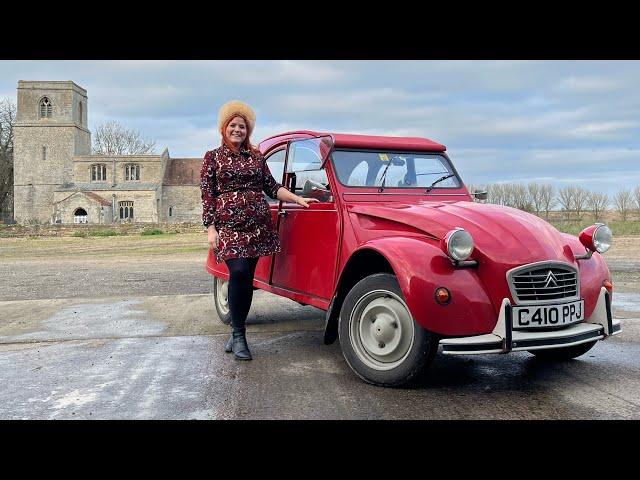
x=57, y=180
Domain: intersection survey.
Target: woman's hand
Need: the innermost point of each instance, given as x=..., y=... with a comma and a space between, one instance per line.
x=212, y=237
x=304, y=202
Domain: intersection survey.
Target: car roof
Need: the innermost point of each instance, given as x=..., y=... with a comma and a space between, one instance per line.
x=348, y=140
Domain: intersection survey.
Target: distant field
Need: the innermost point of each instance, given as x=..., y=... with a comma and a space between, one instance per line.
x=132, y=245
x=617, y=227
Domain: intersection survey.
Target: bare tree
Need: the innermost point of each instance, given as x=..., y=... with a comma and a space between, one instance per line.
x=636, y=194
x=548, y=198
x=509, y=195
x=598, y=203
x=580, y=199
x=7, y=121
x=521, y=198
x=495, y=194
x=566, y=198
x=111, y=138
x=624, y=202
x=535, y=195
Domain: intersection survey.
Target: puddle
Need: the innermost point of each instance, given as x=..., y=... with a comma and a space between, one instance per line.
x=93, y=320
x=629, y=302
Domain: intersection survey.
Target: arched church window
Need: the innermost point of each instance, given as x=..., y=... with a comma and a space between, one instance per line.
x=126, y=210
x=80, y=216
x=45, y=108
x=98, y=173
x=132, y=172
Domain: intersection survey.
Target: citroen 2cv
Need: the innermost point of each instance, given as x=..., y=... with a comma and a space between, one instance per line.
x=403, y=261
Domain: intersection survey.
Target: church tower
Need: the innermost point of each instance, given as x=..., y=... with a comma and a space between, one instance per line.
x=51, y=128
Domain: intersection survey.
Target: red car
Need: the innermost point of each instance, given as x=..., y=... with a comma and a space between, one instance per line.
x=403, y=260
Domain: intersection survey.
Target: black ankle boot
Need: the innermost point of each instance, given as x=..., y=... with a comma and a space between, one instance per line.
x=229, y=346
x=239, y=346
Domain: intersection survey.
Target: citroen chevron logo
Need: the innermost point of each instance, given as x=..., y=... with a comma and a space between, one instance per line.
x=551, y=280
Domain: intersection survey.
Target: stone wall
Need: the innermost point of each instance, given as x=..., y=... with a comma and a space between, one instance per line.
x=64, y=96
x=120, y=228
x=185, y=202
x=38, y=173
x=144, y=205
x=65, y=210
x=150, y=168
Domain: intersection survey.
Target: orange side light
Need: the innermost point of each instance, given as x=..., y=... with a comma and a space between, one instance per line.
x=442, y=296
x=608, y=285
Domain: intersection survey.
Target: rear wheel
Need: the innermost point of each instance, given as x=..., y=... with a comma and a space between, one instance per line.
x=379, y=338
x=221, y=299
x=564, y=353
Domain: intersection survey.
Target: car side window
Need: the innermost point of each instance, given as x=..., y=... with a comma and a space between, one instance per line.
x=275, y=162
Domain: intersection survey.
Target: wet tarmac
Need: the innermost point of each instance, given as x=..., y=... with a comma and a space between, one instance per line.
x=154, y=358
x=137, y=337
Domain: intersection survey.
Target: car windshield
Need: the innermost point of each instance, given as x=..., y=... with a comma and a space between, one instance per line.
x=404, y=170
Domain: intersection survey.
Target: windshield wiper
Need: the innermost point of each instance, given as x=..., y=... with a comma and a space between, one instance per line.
x=430, y=187
x=383, y=176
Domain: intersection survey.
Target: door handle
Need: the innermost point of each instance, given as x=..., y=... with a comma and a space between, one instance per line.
x=282, y=213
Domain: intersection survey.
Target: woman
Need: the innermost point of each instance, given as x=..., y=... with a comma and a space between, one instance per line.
x=235, y=213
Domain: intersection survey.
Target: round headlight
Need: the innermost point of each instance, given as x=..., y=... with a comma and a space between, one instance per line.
x=459, y=244
x=602, y=238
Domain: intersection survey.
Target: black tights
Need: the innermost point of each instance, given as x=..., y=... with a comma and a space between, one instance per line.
x=240, y=293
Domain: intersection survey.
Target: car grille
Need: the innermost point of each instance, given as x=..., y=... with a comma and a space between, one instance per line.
x=544, y=283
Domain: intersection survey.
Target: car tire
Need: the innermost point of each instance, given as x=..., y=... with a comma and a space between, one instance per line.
x=563, y=353
x=380, y=340
x=221, y=299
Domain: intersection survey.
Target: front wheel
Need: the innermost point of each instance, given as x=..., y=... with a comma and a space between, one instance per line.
x=564, y=353
x=221, y=299
x=379, y=338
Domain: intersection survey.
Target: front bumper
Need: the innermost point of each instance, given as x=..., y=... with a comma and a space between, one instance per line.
x=504, y=339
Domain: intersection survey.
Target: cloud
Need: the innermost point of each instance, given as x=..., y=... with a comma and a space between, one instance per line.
x=500, y=120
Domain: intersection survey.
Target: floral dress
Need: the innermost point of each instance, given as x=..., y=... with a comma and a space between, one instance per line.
x=231, y=185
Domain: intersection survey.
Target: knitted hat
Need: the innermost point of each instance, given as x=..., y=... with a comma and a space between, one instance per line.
x=233, y=108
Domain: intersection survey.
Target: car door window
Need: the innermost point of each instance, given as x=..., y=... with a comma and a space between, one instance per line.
x=275, y=162
x=305, y=162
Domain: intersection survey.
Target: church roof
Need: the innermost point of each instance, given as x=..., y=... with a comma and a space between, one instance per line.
x=91, y=196
x=97, y=198
x=182, y=171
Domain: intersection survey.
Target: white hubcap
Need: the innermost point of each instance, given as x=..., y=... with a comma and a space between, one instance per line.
x=381, y=330
x=223, y=295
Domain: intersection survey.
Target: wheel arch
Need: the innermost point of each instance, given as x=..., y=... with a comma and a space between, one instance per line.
x=362, y=263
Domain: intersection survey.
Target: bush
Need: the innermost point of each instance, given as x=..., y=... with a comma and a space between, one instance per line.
x=155, y=231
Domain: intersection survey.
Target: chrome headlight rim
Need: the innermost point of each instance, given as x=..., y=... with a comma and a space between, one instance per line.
x=453, y=242
x=601, y=245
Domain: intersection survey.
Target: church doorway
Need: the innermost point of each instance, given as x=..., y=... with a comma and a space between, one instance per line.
x=80, y=216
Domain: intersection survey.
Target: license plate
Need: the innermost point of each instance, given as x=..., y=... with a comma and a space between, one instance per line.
x=545, y=316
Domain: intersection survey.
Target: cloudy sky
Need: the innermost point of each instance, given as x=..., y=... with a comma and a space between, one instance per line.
x=559, y=122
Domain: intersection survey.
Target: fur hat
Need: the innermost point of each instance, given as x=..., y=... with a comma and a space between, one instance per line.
x=233, y=108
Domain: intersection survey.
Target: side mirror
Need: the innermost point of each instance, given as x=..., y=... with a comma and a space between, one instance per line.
x=310, y=186
x=480, y=194
x=316, y=190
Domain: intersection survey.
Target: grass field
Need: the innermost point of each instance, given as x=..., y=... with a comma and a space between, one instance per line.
x=104, y=246
x=617, y=227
